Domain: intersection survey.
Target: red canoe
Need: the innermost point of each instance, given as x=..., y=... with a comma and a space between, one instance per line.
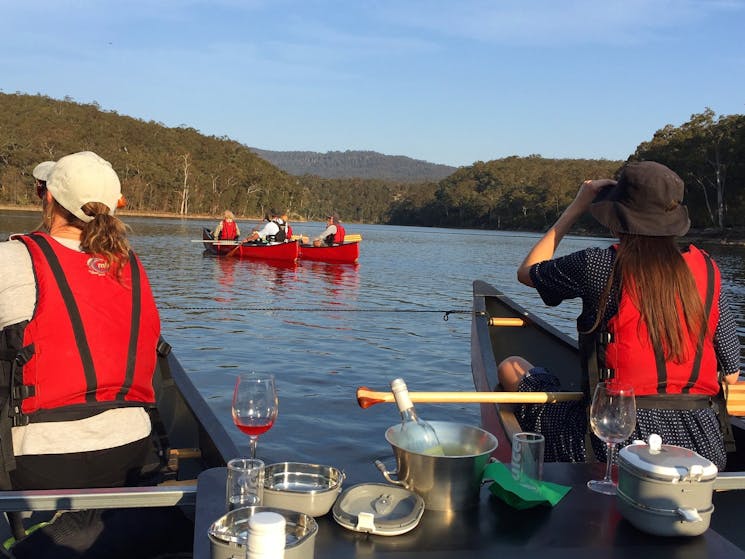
x=345, y=253
x=287, y=252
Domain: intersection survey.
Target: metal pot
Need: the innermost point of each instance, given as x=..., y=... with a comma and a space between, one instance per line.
x=450, y=482
x=664, y=489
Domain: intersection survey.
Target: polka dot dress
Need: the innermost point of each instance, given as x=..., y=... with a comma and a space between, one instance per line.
x=584, y=275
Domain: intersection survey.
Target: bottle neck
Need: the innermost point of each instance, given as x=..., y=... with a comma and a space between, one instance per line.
x=409, y=414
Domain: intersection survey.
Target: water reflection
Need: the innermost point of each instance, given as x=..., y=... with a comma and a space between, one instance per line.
x=329, y=328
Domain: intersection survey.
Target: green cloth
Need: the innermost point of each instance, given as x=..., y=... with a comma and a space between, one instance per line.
x=518, y=495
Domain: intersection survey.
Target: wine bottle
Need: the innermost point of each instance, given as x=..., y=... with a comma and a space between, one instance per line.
x=416, y=434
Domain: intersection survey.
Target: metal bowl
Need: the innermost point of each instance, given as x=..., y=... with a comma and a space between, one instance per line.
x=229, y=533
x=308, y=488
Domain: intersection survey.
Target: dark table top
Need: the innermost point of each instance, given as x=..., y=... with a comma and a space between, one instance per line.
x=582, y=524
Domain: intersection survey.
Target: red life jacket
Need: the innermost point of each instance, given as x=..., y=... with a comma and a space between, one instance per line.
x=91, y=343
x=229, y=230
x=632, y=358
x=340, y=234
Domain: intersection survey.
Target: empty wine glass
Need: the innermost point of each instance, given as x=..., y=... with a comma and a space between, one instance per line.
x=613, y=419
x=255, y=405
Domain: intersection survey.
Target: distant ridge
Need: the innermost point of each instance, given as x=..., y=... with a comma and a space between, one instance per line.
x=356, y=164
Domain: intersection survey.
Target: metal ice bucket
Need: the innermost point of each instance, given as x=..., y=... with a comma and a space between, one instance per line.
x=450, y=482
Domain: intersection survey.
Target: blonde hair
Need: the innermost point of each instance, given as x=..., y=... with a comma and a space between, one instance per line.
x=228, y=215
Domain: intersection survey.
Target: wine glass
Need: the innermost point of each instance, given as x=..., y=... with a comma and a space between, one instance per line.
x=613, y=419
x=255, y=405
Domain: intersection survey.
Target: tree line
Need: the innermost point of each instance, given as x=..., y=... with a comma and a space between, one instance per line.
x=179, y=170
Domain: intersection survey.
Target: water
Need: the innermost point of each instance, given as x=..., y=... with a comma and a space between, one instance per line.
x=325, y=330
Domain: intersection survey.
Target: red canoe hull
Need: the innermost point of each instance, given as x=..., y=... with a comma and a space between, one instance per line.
x=347, y=253
x=286, y=252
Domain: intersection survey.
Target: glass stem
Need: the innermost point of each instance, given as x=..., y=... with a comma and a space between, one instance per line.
x=252, y=445
x=609, y=462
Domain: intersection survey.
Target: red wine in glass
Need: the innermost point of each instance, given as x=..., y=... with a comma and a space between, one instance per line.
x=255, y=405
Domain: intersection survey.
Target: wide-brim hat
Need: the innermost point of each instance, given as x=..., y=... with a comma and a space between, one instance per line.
x=84, y=177
x=647, y=200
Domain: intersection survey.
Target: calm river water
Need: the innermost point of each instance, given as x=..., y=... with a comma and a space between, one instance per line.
x=327, y=329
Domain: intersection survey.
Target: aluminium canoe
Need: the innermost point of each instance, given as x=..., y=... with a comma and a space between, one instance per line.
x=345, y=253
x=188, y=439
x=495, y=334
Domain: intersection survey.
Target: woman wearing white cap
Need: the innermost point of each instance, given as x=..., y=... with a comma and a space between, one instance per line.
x=78, y=341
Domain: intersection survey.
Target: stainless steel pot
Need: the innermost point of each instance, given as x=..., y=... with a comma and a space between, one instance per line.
x=664, y=489
x=450, y=482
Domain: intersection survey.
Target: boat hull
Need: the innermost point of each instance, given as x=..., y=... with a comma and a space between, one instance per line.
x=345, y=253
x=286, y=252
x=540, y=343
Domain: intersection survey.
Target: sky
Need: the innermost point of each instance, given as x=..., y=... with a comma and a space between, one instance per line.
x=450, y=82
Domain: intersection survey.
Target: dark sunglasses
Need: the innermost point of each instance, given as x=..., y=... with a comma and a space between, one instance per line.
x=41, y=188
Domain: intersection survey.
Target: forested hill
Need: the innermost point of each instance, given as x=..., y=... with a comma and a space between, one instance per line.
x=179, y=170
x=359, y=164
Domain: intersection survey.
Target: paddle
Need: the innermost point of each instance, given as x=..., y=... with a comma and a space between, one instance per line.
x=736, y=399
x=354, y=238
x=367, y=397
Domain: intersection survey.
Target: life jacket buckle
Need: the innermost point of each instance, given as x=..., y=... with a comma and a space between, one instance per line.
x=23, y=391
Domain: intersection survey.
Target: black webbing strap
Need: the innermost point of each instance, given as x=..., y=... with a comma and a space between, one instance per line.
x=134, y=328
x=702, y=334
x=77, y=322
x=673, y=401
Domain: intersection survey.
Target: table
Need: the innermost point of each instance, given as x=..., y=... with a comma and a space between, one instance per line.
x=582, y=525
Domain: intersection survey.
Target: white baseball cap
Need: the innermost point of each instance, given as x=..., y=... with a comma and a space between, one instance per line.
x=84, y=177
x=41, y=171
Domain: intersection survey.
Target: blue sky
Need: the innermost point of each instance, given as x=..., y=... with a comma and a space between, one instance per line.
x=449, y=82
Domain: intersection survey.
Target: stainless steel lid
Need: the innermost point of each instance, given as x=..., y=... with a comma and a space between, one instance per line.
x=666, y=462
x=379, y=508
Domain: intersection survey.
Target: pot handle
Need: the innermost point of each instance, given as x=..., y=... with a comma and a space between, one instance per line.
x=387, y=475
x=689, y=515
x=729, y=480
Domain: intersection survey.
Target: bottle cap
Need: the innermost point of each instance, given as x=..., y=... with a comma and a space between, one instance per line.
x=266, y=524
x=401, y=394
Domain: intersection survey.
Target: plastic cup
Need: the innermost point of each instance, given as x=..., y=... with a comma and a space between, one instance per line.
x=527, y=458
x=245, y=486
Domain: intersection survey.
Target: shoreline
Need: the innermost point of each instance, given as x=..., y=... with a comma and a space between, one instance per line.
x=734, y=236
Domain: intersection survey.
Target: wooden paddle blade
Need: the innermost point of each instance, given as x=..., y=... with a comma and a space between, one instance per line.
x=367, y=397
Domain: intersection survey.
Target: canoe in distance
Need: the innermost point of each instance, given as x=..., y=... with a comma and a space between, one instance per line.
x=287, y=252
x=345, y=253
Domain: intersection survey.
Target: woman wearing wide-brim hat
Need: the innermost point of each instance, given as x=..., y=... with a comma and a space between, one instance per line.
x=657, y=310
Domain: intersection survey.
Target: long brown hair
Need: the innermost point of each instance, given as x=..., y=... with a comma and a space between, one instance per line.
x=654, y=274
x=104, y=236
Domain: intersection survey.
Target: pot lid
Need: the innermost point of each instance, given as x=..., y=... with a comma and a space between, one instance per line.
x=667, y=462
x=378, y=508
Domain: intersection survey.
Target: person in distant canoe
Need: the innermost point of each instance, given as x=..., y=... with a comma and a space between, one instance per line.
x=654, y=315
x=332, y=235
x=227, y=229
x=288, y=227
x=78, y=341
x=273, y=231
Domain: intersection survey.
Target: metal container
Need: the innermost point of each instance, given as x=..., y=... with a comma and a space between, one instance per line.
x=450, y=482
x=228, y=533
x=308, y=488
x=664, y=489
